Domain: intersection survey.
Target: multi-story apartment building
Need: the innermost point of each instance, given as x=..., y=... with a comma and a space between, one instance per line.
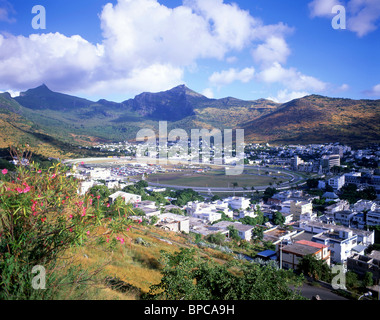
x=329, y=161
x=300, y=208
x=344, y=217
x=237, y=203
x=340, y=240
x=337, y=182
x=373, y=218
x=291, y=254
x=362, y=264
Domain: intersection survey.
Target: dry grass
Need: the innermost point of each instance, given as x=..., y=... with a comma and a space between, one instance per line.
x=132, y=263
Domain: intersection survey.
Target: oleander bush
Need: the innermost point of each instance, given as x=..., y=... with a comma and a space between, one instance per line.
x=42, y=216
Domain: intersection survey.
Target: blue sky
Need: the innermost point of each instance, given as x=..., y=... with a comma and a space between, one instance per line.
x=246, y=49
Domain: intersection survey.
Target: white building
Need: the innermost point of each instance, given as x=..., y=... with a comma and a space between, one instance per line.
x=341, y=205
x=337, y=182
x=128, y=197
x=244, y=213
x=301, y=208
x=244, y=230
x=100, y=174
x=362, y=205
x=353, y=177
x=344, y=217
x=208, y=211
x=174, y=222
x=340, y=240
x=85, y=186
x=237, y=203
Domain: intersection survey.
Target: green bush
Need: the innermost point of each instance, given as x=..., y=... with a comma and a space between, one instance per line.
x=41, y=217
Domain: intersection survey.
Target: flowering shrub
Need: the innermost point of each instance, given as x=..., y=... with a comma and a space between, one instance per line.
x=42, y=215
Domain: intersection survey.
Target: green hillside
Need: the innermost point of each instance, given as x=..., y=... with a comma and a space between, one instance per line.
x=41, y=116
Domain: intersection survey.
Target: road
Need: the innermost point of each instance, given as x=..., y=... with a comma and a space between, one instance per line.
x=308, y=291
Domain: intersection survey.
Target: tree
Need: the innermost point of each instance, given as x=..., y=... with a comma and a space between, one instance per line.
x=258, y=233
x=278, y=218
x=312, y=183
x=368, y=279
x=177, y=211
x=315, y=268
x=186, y=195
x=215, y=198
x=100, y=190
x=269, y=193
x=234, y=234
x=217, y=238
x=142, y=184
x=187, y=277
x=352, y=281
x=153, y=220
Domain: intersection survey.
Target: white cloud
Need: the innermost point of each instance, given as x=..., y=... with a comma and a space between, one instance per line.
x=363, y=16
x=52, y=57
x=208, y=93
x=275, y=49
x=286, y=95
x=291, y=78
x=322, y=8
x=375, y=91
x=12, y=93
x=155, y=77
x=231, y=59
x=147, y=46
x=231, y=75
x=6, y=10
x=344, y=87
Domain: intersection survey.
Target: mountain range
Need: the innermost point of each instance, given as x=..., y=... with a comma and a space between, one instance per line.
x=57, y=122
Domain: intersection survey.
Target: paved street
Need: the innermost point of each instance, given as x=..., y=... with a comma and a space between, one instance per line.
x=308, y=291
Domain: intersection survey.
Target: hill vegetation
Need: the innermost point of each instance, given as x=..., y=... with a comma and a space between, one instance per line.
x=318, y=119
x=56, y=122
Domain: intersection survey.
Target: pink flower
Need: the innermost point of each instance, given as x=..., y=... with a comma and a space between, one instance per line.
x=88, y=232
x=53, y=176
x=84, y=211
x=82, y=163
x=39, y=171
x=140, y=220
x=97, y=197
x=27, y=189
x=90, y=201
x=108, y=205
x=122, y=240
x=19, y=190
x=4, y=171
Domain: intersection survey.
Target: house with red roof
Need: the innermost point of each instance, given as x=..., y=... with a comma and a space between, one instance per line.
x=290, y=255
